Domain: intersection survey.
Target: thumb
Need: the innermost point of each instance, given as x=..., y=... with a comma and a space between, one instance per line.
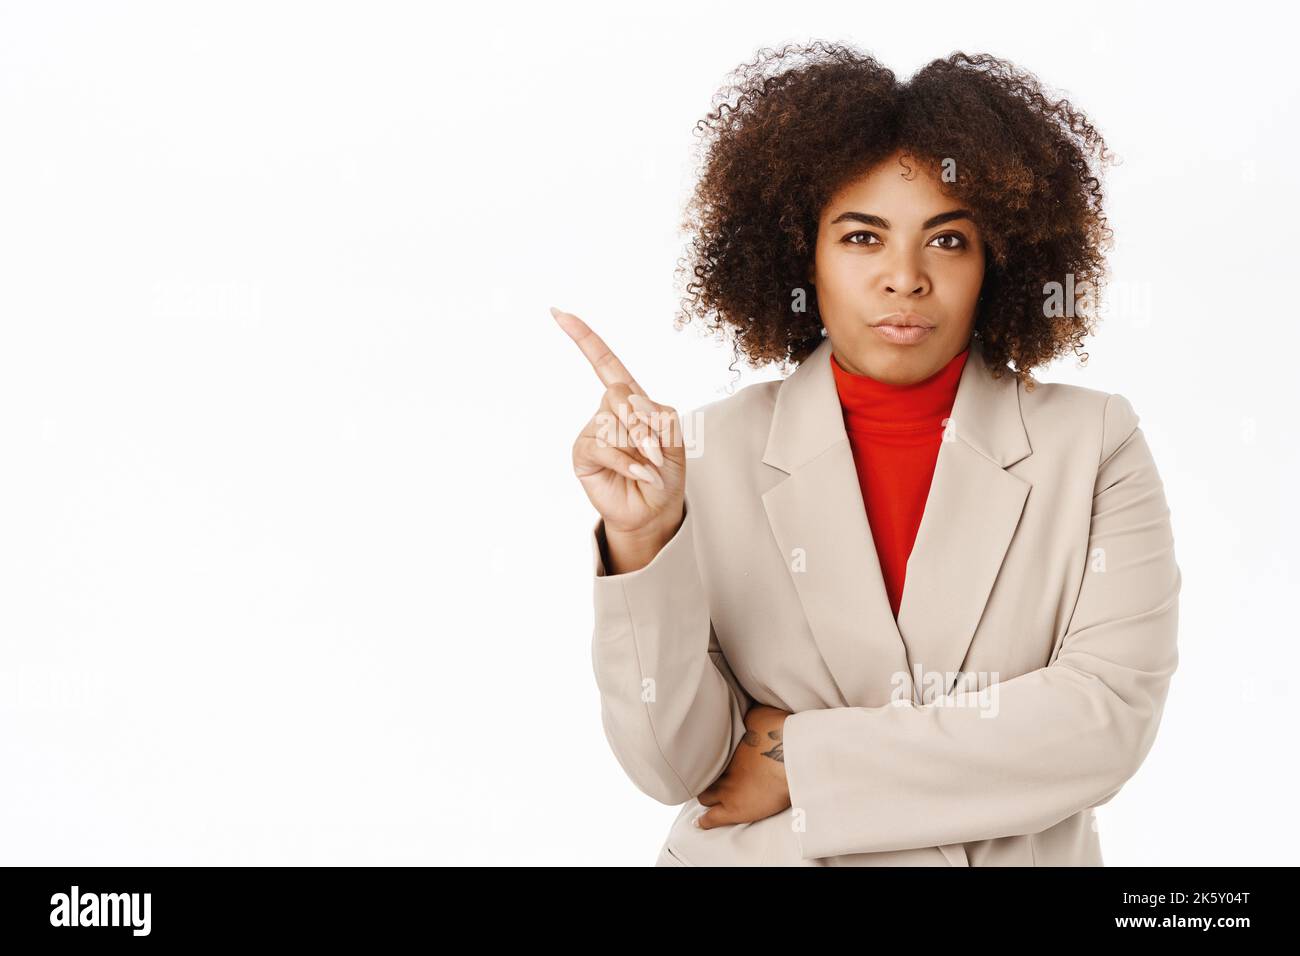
x=713, y=817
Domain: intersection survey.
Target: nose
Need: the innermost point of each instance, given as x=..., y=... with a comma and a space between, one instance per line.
x=903, y=276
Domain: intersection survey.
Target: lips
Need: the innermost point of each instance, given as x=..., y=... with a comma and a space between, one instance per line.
x=903, y=328
x=903, y=334
x=906, y=320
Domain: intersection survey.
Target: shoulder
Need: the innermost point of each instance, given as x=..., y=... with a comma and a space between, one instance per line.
x=1074, y=413
x=736, y=425
x=753, y=403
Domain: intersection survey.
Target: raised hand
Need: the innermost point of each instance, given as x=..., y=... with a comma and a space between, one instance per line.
x=630, y=457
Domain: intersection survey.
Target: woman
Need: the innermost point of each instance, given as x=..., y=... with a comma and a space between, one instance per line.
x=912, y=607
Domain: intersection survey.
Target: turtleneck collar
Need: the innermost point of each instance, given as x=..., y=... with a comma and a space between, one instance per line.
x=872, y=405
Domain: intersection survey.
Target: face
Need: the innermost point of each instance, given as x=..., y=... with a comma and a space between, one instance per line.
x=898, y=269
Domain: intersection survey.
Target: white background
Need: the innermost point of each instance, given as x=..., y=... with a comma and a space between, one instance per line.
x=293, y=565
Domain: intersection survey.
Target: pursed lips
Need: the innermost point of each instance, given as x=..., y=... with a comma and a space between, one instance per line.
x=904, y=320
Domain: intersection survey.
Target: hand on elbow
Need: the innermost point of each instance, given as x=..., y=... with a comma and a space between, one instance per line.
x=754, y=784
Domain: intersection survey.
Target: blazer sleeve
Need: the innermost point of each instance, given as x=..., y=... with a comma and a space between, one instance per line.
x=1060, y=739
x=670, y=706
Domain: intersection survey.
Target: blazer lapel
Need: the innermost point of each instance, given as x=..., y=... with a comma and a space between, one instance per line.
x=819, y=520
x=971, y=514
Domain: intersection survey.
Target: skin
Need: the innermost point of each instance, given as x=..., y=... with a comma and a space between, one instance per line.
x=629, y=457
x=865, y=270
x=754, y=784
x=890, y=241
x=878, y=252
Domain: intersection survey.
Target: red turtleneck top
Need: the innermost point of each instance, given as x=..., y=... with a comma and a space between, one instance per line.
x=895, y=432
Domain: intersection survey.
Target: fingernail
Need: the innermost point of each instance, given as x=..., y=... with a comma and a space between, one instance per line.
x=651, y=449
x=695, y=822
x=642, y=472
x=647, y=473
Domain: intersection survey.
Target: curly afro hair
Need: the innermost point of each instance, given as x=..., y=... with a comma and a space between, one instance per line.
x=799, y=123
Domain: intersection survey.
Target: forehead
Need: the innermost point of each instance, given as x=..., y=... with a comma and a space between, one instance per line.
x=901, y=187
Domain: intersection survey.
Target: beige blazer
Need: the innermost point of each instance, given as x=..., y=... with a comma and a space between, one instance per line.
x=1020, y=687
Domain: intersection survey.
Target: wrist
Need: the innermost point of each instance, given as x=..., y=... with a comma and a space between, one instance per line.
x=655, y=535
x=628, y=551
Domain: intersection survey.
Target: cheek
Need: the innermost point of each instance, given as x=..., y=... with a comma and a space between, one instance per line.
x=847, y=275
x=836, y=281
x=964, y=284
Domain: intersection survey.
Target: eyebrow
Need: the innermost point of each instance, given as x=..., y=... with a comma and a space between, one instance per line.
x=870, y=220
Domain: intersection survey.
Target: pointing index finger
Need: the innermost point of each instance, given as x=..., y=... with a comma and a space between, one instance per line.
x=610, y=370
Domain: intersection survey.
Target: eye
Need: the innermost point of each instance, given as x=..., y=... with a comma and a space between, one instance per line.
x=960, y=244
x=861, y=232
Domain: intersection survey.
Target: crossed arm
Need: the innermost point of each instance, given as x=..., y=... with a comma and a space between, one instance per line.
x=1066, y=736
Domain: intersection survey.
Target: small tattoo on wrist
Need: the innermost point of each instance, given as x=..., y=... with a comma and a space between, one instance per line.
x=777, y=753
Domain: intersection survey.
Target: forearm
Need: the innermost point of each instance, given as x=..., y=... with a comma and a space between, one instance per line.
x=1033, y=751
x=671, y=709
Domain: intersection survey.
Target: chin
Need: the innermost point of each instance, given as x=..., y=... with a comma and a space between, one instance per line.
x=903, y=363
